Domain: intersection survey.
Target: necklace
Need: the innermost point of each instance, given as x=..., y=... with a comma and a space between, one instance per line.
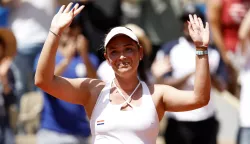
x=129, y=98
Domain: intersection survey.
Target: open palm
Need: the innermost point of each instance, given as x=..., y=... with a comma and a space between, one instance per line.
x=198, y=33
x=65, y=16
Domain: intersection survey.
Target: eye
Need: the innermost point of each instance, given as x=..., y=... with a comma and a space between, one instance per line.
x=129, y=49
x=113, y=52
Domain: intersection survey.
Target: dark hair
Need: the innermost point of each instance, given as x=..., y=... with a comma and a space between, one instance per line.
x=2, y=42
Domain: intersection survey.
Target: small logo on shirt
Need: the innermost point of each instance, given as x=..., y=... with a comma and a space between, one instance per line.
x=100, y=122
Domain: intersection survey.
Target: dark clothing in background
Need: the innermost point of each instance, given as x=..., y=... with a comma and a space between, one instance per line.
x=6, y=100
x=160, y=23
x=97, y=18
x=201, y=132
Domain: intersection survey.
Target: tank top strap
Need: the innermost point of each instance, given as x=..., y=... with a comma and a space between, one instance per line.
x=148, y=101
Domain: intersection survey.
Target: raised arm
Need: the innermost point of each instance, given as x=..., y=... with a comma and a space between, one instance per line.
x=244, y=30
x=178, y=100
x=71, y=90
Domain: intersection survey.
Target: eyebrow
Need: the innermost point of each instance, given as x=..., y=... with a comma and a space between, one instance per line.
x=111, y=47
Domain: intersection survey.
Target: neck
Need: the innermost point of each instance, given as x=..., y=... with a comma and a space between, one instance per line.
x=127, y=84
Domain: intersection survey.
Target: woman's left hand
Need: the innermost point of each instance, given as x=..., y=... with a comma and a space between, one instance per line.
x=198, y=33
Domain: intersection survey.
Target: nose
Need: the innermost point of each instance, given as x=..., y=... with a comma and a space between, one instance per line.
x=122, y=56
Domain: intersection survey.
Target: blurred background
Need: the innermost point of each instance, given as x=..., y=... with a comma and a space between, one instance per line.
x=29, y=115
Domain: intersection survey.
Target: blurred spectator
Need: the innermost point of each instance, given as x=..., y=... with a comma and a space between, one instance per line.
x=62, y=122
x=4, y=14
x=159, y=22
x=244, y=56
x=105, y=72
x=156, y=17
x=177, y=67
x=30, y=22
x=225, y=17
x=96, y=19
x=244, y=33
x=178, y=5
x=7, y=84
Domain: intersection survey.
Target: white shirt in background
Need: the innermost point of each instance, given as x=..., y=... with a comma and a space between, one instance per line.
x=30, y=21
x=245, y=89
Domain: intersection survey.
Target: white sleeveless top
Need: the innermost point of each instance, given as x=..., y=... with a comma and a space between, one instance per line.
x=110, y=125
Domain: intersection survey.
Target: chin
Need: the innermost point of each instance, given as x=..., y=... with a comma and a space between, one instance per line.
x=125, y=72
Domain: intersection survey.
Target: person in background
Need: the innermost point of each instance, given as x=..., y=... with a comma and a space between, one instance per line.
x=177, y=68
x=63, y=122
x=244, y=57
x=97, y=18
x=225, y=17
x=7, y=84
x=29, y=20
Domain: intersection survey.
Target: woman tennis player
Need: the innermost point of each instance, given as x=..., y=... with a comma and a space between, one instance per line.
x=124, y=110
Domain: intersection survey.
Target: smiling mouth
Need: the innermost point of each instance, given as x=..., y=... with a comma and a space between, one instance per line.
x=123, y=65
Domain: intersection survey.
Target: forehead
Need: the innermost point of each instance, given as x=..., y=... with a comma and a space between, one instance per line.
x=120, y=40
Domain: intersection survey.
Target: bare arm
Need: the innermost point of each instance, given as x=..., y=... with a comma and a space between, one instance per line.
x=61, y=67
x=178, y=100
x=70, y=90
x=174, y=82
x=244, y=30
x=214, y=18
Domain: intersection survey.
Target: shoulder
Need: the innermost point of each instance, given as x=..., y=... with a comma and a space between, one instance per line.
x=156, y=90
x=95, y=84
x=95, y=87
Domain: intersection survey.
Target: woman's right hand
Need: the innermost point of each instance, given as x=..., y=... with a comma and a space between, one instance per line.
x=64, y=17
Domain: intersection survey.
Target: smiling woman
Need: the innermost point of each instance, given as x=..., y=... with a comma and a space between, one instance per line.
x=124, y=109
x=122, y=50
